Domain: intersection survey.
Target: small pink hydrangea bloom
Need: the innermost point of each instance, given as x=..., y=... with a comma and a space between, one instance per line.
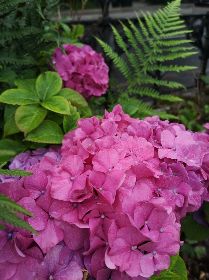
x=82, y=69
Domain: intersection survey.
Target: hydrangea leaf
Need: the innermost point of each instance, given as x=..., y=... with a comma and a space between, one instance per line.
x=29, y=117
x=10, y=126
x=48, y=84
x=57, y=104
x=70, y=122
x=18, y=97
x=74, y=97
x=48, y=132
x=9, y=148
x=206, y=210
x=200, y=233
x=129, y=105
x=176, y=271
x=85, y=112
x=28, y=84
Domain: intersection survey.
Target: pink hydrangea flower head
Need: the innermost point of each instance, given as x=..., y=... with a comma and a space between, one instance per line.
x=111, y=197
x=82, y=69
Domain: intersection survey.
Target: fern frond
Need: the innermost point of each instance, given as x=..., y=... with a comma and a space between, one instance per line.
x=6, y=203
x=10, y=218
x=148, y=45
x=6, y=58
x=162, y=83
x=149, y=92
x=9, y=214
x=123, y=46
x=7, y=6
x=15, y=172
x=170, y=68
x=173, y=43
x=119, y=63
x=171, y=56
x=15, y=34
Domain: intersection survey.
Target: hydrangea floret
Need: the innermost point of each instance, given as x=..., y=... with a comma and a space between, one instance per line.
x=82, y=69
x=110, y=200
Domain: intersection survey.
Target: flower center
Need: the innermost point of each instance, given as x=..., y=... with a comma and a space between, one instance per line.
x=102, y=216
x=161, y=230
x=51, y=277
x=174, y=191
x=10, y=235
x=134, y=248
x=75, y=205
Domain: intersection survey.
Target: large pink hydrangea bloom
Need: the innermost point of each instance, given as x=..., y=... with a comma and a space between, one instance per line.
x=82, y=69
x=110, y=200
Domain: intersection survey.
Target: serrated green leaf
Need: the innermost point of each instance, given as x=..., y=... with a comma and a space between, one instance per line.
x=29, y=117
x=75, y=98
x=48, y=132
x=18, y=97
x=10, y=126
x=48, y=84
x=70, y=122
x=57, y=104
x=176, y=271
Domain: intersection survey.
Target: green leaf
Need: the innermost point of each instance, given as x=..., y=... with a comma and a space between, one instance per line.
x=48, y=84
x=57, y=104
x=176, y=271
x=206, y=210
x=18, y=97
x=28, y=84
x=77, y=31
x=2, y=227
x=48, y=132
x=70, y=122
x=193, y=230
x=9, y=148
x=75, y=98
x=129, y=105
x=10, y=126
x=29, y=117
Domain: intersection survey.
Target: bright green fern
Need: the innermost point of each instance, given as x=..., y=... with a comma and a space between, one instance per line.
x=9, y=210
x=150, y=47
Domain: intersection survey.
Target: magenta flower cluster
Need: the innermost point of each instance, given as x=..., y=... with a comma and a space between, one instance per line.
x=109, y=201
x=82, y=69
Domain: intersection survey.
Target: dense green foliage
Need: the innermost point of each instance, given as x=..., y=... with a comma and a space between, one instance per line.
x=150, y=49
x=29, y=36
